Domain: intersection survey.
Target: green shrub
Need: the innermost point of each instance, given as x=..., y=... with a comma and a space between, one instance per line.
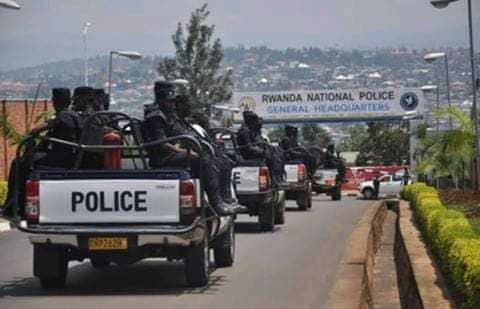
x=452, y=239
x=464, y=261
x=3, y=192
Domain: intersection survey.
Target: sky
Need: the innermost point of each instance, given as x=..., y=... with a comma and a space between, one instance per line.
x=51, y=30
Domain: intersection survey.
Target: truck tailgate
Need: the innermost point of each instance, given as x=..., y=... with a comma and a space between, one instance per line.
x=246, y=178
x=109, y=201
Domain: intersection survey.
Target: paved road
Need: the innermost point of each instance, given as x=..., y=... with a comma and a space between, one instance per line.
x=294, y=267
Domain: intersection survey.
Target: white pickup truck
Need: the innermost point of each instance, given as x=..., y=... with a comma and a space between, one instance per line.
x=253, y=185
x=390, y=185
x=325, y=181
x=254, y=189
x=121, y=214
x=297, y=185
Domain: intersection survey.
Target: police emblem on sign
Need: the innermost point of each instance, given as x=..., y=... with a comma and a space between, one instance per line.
x=247, y=104
x=409, y=101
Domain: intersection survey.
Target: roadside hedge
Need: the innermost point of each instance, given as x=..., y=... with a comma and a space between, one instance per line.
x=452, y=239
x=3, y=192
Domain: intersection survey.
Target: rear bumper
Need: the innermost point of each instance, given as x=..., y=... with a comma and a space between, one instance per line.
x=250, y=198
x=322, y=188
x=296, y=187
x=145, y=235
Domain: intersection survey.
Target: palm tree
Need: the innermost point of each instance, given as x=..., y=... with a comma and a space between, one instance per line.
x=449, y=153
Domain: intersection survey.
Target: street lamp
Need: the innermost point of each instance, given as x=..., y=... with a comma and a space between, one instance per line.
x=431, y=58
x=9, y=4
x=440, y=4
x=132, y=55
x=432, y=88
x=84, y=33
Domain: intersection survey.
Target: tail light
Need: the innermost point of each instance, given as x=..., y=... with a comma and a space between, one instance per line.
x=112, y=158
x=301, y=172
x=32, y=202
x=263, y=178
x=188, y=198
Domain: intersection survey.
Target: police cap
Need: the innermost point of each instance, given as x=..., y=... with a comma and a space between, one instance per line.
x=291, y=130
x=60, y=94
x=164, y=90
x=83, y=91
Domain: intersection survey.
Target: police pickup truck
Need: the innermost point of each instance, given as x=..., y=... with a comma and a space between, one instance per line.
x=327, y=181
x=253, y=185
x=298, y=187
x=122, y=213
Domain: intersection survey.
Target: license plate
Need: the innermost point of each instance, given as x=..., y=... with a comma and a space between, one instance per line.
x=107, y=243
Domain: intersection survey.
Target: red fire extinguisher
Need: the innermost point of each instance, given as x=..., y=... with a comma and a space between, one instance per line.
x=112, y=158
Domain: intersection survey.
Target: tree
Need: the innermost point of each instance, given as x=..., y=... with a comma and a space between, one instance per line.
x=276, y=134
x=314, y=135
x=386, y=144
x=356, y=136
x=198, y=60
x=450, y=153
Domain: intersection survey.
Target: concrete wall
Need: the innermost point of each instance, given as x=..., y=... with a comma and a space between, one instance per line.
x=22, y=114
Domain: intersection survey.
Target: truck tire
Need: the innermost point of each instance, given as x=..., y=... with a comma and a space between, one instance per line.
x=266, y=217
x=99, y=261
x=280, y=213
x=224, y=248
x=368, y=193
x=303, y=199
x=50, y=265
x=197, y=263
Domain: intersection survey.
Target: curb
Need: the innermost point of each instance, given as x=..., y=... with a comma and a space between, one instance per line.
x=4, y=225
x=420, y=281
x=354, y=281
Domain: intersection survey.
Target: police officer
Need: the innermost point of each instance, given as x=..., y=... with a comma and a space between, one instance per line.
x=334, y=161
x=252, y=145
x=87, y=101
x=330, y=159
x=162, y=122
x=66, y=125
x=249, y=146
x=63, y=126
x=293, y=151
x=224, y=164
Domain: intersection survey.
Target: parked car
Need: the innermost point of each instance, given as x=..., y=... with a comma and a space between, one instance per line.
x=390, y=185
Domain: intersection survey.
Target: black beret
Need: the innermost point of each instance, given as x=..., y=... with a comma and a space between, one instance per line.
x=81, y=91
x=164, y=90
x=249, y=114
x=291, y=129
x=61, y=93
x=99, y=91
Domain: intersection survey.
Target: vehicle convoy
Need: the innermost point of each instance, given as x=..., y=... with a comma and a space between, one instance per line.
x=254, y=186
x=390, y=185
x=123, y=212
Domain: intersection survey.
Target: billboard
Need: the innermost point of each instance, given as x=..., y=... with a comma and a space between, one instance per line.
x=331, y=105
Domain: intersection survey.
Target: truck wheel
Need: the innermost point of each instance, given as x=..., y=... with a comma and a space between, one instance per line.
x=266, y=217
x=99, y=261
x=50, y=265
x=368, y=193
x=197, y=263
x=280, y=213
x=224, y=248
x=302, y=200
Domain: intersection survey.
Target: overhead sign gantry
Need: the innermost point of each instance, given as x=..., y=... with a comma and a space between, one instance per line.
x=331, y=105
